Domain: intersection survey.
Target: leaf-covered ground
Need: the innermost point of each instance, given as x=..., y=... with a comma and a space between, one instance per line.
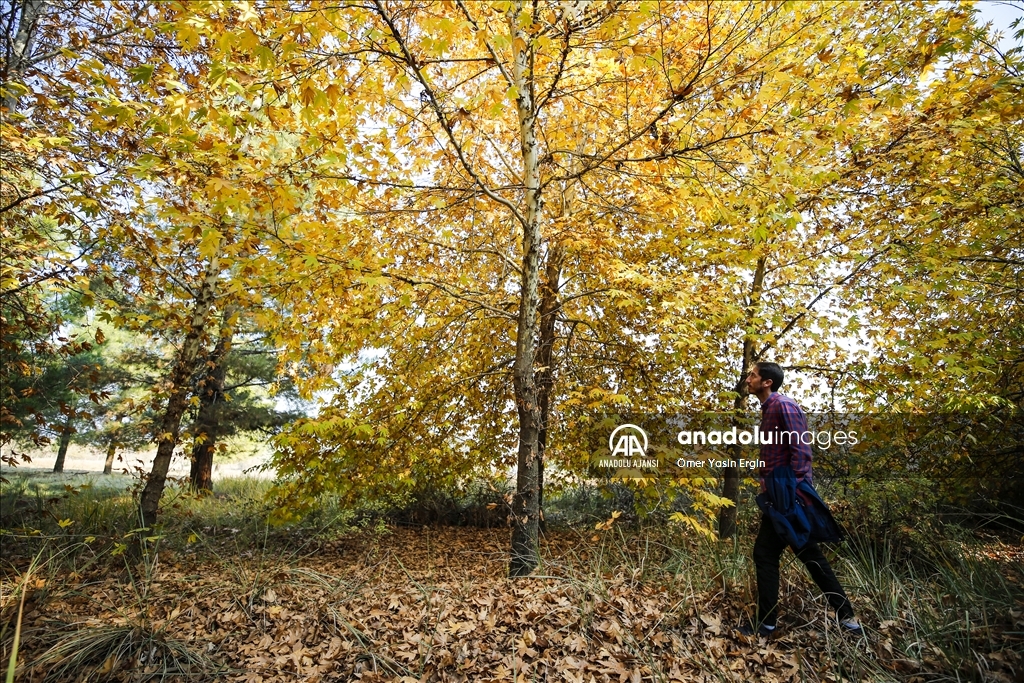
x=433, y=605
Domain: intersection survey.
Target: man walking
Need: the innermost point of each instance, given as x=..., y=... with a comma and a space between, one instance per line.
x=781, y=414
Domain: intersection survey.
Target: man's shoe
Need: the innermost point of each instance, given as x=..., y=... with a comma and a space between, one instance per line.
x=851, y=627
x=747, y=629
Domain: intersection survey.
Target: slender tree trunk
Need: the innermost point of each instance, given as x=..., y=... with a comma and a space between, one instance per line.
x=731, y=483
x=212, y=392
x=545, y=363
x=65, y=441
x=200, y=475
x=549, y=305
x=170, y=424
x=525, y=505
x=108, y=464
x=21, y=50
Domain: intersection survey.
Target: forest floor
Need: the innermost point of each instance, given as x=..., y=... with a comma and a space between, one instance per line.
x=222, y=596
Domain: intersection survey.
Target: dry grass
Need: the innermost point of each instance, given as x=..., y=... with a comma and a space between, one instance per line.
x=336, y=603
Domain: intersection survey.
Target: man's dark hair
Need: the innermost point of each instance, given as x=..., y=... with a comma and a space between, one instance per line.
x=772, y=371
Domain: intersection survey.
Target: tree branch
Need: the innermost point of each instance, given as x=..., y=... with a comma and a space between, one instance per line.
x=445, y=124
x=447, y=290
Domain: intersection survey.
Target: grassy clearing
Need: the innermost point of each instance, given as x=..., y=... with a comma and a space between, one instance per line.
x=222, y=594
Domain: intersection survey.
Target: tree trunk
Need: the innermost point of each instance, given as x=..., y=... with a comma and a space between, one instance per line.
x=108, y=464
x=177, y=401
x=525, y=505
x=731, y=475
x=21, y=50
x=545, y=363
x=65, y=441
x=549, y=306
x=211, y=394
x=200, y=476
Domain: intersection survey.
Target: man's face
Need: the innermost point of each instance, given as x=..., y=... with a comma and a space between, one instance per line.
x=754, y=381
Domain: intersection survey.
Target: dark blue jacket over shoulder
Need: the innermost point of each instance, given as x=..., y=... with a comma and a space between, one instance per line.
x=797, y=522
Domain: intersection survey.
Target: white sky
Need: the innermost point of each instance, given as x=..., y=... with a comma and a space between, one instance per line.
x=1002, y=13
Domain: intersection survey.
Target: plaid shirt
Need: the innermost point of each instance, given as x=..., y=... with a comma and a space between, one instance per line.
x=780, y=414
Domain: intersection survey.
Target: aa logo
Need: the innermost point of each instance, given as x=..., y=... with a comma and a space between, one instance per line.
x=628, y=444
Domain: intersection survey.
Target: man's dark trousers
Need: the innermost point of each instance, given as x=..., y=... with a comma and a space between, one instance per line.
x=768, y=550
